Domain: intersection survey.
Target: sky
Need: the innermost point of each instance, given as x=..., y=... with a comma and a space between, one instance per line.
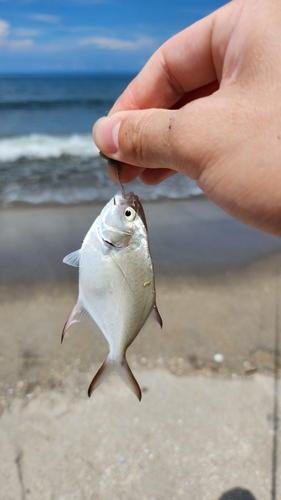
x=90, y=36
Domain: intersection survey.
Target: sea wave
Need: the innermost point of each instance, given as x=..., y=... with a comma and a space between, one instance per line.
x=42, y=169
x=44, y=146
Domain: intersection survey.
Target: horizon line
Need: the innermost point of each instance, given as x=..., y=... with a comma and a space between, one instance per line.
x=68, y=72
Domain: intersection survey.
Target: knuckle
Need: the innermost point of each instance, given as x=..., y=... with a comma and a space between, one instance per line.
x=133, y=138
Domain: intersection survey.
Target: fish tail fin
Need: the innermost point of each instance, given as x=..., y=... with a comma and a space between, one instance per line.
x=124, y=371
x=104, y=370
x=127, y=375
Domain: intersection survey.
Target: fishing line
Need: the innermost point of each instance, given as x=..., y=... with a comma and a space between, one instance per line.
x=114, y=164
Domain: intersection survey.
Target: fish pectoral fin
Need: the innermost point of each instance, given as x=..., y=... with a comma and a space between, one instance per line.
x=124, y=371
x=78, y=313
x=73, y=259
x=156, y=316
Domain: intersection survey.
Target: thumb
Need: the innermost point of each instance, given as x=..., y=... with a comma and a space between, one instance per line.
x=159, y=138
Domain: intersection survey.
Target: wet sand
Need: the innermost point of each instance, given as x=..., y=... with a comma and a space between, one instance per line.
x=218, y=292
x=216, y=289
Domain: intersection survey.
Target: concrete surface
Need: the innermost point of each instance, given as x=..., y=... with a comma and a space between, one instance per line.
x=190, y=438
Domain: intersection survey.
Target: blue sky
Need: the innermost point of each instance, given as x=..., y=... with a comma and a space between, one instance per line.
x=90, y=35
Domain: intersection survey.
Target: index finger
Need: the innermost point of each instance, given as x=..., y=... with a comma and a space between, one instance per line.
x=182, y=64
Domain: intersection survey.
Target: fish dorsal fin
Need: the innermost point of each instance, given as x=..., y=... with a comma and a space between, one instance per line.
x=78, y=313
x=156, y=316
x=73, y=259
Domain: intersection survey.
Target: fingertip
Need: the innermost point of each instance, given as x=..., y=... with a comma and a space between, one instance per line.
x=105, y=134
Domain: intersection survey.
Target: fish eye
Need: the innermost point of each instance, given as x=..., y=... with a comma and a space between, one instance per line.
x=129, y=214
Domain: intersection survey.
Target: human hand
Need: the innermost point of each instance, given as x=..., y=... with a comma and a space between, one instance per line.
x=208, y=104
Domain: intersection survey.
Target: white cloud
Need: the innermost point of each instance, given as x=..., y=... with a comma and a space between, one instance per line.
x=25, y=32
x=4, y=28
x=9, y=38
x=45, y=18
x=16, y=45
x=9, y=43
x=117, y=43
x=19, y=44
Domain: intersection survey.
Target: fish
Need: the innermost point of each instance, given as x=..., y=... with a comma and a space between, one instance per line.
x=116, y=283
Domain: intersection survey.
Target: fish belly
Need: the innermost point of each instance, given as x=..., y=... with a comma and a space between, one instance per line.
x=113, y=288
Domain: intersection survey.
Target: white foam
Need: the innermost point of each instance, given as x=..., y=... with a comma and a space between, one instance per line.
x=43, y=146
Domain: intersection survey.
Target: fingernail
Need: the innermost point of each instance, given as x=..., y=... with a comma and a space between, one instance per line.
x=105, y=134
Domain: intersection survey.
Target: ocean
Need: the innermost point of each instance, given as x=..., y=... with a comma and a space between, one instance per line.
x=47, y=155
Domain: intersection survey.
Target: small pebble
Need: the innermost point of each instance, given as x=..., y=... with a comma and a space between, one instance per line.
x=218, y=358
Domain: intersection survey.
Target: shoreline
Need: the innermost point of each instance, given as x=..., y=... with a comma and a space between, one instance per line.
x=84, y=204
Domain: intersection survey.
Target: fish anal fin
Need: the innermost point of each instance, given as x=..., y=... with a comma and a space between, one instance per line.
x=78, y=313
x=72, y=259
x=124, y=371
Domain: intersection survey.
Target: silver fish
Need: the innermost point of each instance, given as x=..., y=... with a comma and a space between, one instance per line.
x=116, y=282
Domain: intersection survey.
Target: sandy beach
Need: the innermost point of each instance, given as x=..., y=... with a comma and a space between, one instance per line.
x=207, y=427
